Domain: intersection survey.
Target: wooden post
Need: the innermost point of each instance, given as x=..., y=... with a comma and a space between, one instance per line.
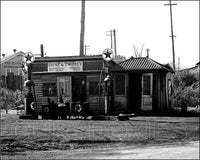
x=114, y=36
x=172, y=33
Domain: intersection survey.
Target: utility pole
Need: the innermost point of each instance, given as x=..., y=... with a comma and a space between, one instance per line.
x=82, y=28
x=172, y=33
x=86, y=47
x=114, y=36
x=111, y=39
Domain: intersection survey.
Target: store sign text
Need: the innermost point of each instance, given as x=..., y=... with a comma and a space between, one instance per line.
x=74, y=66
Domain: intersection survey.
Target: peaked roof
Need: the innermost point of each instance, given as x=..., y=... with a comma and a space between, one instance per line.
x=140, y=63
x=7, y=58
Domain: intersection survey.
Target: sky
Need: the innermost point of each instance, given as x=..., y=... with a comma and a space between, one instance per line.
x=25, y=25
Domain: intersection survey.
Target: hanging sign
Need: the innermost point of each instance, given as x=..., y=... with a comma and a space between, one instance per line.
x=74, y=66
x=29, y=58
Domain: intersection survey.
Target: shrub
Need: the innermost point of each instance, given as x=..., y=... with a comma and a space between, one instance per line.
x=186, y=89
x=10, y=99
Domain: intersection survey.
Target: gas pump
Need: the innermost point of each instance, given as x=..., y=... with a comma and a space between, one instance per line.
x=28, y=60
x=107, y=56
x=107, y=81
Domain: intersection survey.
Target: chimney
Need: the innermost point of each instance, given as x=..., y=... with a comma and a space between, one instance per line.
x=14, y=50
x=42, y=50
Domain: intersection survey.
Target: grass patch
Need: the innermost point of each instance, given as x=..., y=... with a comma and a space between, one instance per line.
x=19, y=135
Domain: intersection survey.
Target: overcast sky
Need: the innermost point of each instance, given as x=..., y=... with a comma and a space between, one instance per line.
x=56, y=24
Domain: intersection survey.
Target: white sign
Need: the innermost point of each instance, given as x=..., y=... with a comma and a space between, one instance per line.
x=107, y=54
x=74, y=66
x=29, y=58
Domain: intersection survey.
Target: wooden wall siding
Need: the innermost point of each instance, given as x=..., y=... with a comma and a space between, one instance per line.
x=15, y=63
x=97, y=103
x=38, y=80
x=155, y=103
x=120, y=104
x=121, y=101
x=159, y=92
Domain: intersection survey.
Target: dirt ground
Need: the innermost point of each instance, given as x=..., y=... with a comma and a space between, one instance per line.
x=181, y=150
x=140, y=137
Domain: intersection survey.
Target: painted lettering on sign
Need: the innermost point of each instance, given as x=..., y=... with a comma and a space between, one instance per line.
x=75, y=66
x=12, y=64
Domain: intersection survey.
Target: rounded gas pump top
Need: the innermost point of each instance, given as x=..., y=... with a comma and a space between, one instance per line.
x=28, y=83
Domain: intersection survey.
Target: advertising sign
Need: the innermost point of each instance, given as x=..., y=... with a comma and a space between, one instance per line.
x=74, y=66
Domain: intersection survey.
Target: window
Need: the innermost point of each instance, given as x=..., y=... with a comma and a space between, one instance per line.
x=146, y=84
x=20, y=73
x=49, y=89
x=120, y=84
x=8, y=70
x=95, y=89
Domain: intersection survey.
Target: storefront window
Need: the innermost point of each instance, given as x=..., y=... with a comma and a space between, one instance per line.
x=147, y=85
x=49, y=89
x=120, y=84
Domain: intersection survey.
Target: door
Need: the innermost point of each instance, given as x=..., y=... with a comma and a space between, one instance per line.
x=64, y=89
x=79, y=92
x=147, y=86
x=135, y=89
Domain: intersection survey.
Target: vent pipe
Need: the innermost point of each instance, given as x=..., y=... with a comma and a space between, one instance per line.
x=42, y=50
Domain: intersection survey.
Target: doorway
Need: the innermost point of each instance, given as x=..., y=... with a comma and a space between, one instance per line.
x=135, y=92
x=79, y=89
x=64, y=89
x=147, y=86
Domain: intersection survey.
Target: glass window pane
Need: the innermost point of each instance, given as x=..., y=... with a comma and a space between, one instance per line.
x=146, y=85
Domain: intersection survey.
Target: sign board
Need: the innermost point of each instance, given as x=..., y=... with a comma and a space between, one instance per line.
x=29, y=58
x=74, y=66
x=12, y=64
x=107, y=54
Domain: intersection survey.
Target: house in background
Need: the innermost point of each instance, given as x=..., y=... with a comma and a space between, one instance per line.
x=193, y=70
x=12, y=75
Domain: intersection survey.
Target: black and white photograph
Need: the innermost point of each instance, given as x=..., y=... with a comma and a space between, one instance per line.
x=87, y=79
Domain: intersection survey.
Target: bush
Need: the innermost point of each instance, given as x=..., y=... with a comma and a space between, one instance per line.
x=10, y=99
x=186, y=89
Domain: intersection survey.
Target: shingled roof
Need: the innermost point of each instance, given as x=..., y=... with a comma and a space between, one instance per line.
x=140, y=63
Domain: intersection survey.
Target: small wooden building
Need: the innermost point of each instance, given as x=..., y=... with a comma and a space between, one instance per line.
x=137, y=84
x=70, y=79
x=142, y=84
